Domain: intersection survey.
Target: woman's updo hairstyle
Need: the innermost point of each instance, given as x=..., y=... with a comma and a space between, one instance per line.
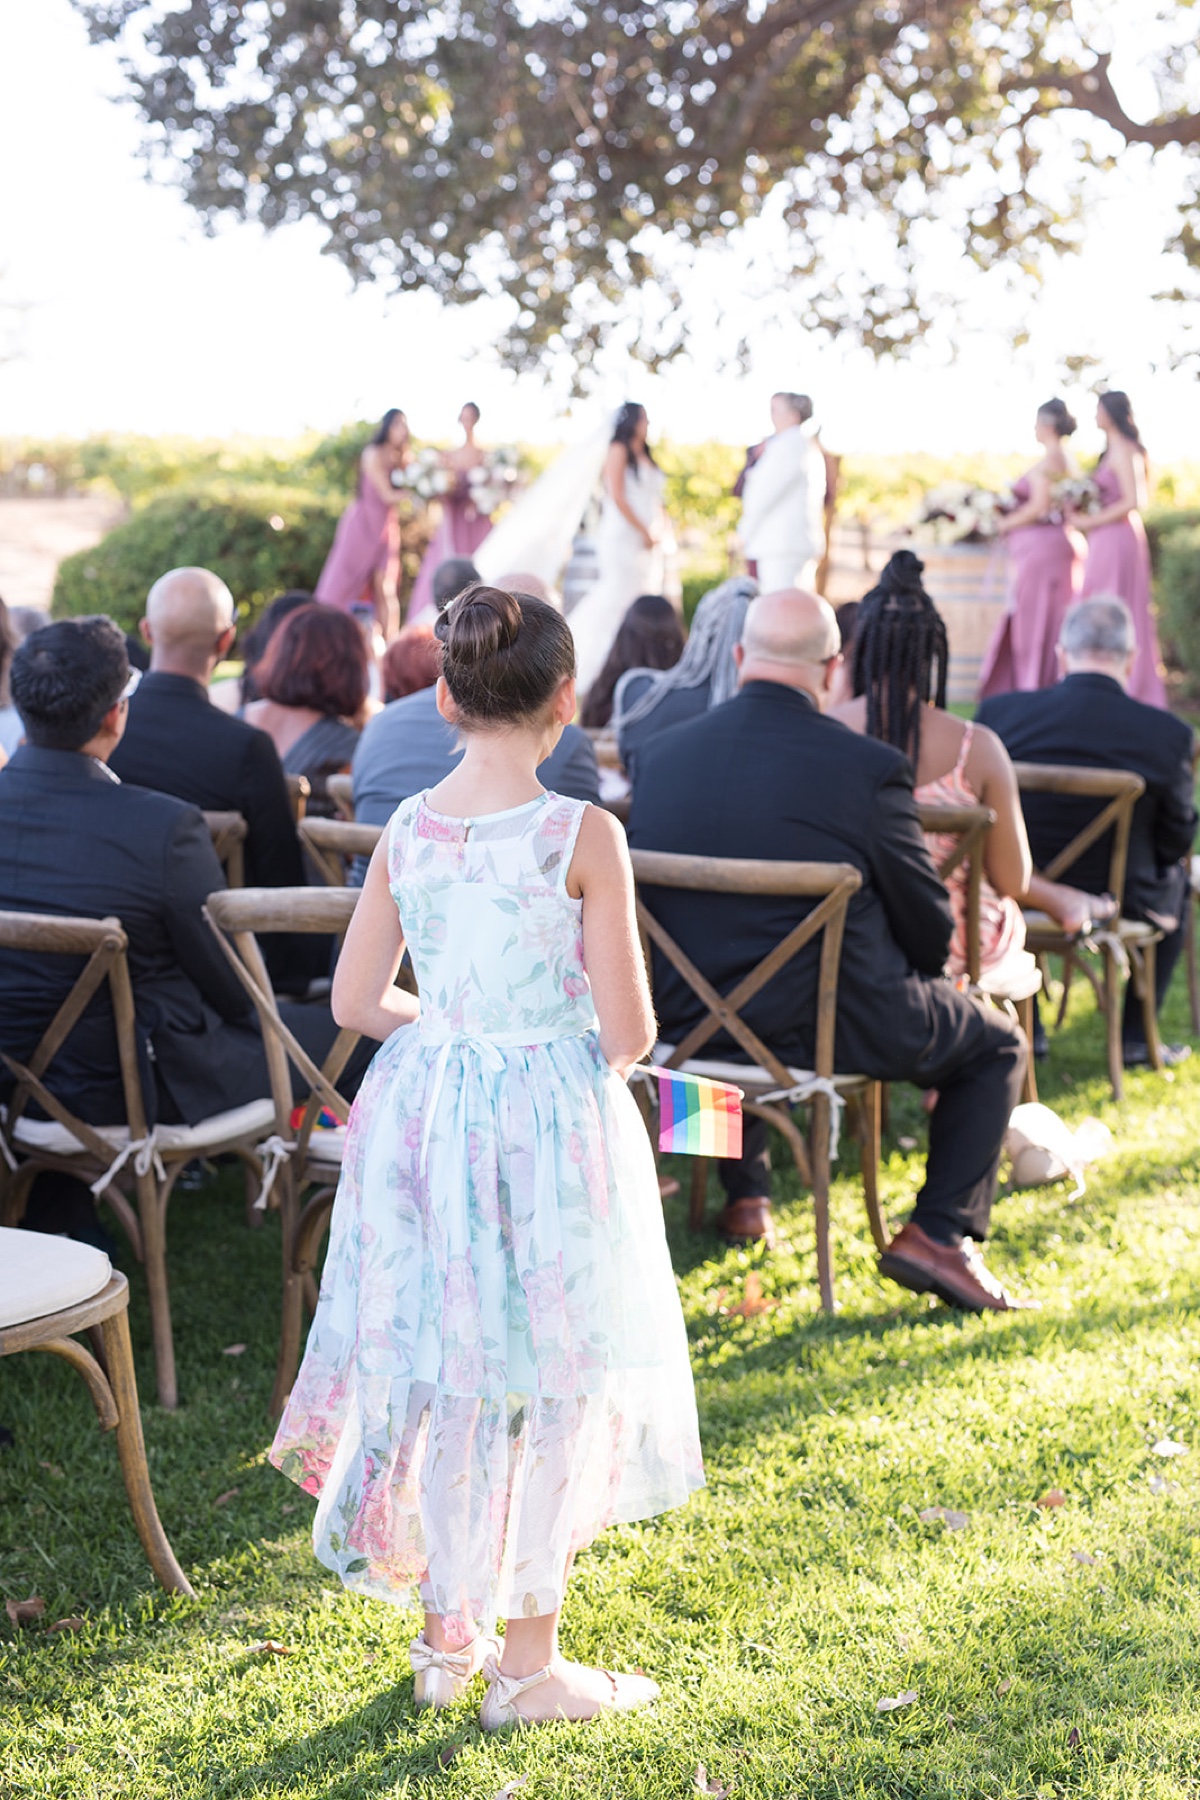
x=1060, y=416
x=503, y=655
x=901, y=654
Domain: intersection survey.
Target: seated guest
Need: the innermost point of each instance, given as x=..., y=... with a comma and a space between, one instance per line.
x=649, y=637
x=313, y=681
x=765, y=775
x=412, y=661
x=74, y=839
x=646, y=703
x=177, y=742
x=847, y=623
x=409, y=747
x=234, y=693
x=450, y=578
x=899, y=683
x=16, y=624
x=1089, y=720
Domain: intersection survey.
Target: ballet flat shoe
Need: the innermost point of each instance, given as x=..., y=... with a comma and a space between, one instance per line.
x=499, y=1709
x=440, y=1677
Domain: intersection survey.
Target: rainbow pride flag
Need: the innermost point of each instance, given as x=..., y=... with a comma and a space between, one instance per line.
x=697, y=1117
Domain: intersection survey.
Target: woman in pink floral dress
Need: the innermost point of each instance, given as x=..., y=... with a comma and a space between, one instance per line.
x=498, y=1366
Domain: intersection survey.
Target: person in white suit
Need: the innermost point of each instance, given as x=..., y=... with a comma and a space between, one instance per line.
x=783, y=499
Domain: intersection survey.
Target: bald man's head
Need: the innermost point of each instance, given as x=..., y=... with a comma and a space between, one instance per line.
x=790, y=637
x=188, y=622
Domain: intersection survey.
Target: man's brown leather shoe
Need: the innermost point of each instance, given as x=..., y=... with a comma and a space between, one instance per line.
x=748, y=1221
x=956, y=1273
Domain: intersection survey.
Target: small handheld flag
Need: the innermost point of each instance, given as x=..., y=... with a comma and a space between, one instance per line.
x=324, y=1121
x=697, y=1117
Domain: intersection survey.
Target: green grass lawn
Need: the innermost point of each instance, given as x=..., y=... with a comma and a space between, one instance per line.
x=1049, y=1650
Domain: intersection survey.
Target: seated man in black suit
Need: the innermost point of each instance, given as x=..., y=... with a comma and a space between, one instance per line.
x=765, y=775
x=179, y=743
x=1089, y=721
x=75, y=840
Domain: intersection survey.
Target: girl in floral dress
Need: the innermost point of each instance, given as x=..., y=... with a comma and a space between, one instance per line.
x=498, y=1367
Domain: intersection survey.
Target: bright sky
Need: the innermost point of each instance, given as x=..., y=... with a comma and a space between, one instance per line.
x=135, y=320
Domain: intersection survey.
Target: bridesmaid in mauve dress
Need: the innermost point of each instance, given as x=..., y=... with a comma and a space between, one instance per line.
x=362, y=568
x=1118, y=559
x=463, y=527
x=1043, y=569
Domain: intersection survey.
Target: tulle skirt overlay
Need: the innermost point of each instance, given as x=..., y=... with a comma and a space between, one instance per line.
x=498, y=1367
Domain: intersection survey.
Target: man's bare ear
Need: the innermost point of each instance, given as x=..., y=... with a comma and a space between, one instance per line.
x=739, y=654
x=144, y=631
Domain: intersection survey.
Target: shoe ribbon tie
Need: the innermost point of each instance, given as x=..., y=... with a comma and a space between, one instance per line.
x=511, y=1687
x=273, y=1152
x=455, y=1662
x=143, y=1151
x=806, y=1089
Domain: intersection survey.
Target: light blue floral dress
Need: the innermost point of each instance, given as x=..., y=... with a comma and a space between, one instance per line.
x=498, y=1366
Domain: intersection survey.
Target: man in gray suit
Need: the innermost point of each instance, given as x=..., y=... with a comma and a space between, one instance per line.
x=409, y=746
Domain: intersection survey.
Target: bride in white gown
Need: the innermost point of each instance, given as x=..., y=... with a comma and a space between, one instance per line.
x=630, y=543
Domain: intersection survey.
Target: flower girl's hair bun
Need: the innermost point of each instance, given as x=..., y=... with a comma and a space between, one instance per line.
x=503, y=655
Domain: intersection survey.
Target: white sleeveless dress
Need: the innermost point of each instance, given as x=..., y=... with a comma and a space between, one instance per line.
x=627, y=568
x=498, y=1366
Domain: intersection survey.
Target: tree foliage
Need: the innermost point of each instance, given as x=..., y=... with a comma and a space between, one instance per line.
x=573, y=156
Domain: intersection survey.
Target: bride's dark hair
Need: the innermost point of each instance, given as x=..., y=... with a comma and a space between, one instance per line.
x=1059, y=415
x=624, y=428
x=385, y=424
x=1119, y=409
x=901, y=654
x=503, y=655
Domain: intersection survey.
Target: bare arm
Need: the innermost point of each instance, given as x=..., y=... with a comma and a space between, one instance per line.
x=1031, y=511
x=1006, y=859
x=364, y=997
x=1131, y=474
x=615, y=470
x=612, y=953
x=379, y=475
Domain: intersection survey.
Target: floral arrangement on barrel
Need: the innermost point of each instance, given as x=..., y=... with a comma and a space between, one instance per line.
x=954, y=512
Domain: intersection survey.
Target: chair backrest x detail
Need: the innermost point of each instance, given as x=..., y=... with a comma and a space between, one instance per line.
x=831, y=885
x=968, y=826
x=333, y=843
x=1121, y=788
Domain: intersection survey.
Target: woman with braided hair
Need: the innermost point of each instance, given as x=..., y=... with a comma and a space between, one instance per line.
x=900, y=662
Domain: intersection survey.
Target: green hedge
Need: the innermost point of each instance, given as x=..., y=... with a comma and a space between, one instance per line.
x=1179, y=599
x=1162, y=522
x=260, y=540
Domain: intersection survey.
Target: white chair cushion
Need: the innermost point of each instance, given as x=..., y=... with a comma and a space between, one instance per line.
x=747, y=1075
x=249, y=1121
x=40, y=1274
x=328, y=1145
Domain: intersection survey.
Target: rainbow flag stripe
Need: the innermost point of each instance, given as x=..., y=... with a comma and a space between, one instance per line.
x=698, y=1117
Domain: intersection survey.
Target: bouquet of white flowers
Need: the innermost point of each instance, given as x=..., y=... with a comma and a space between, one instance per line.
x=957, y=513
x=494, y=480
x=424, y=475
x=1075, y=493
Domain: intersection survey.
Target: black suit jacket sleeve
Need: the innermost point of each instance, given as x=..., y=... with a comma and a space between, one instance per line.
x=272, y=848
x=191, y=873
x=1175, y=820
x=913, y=894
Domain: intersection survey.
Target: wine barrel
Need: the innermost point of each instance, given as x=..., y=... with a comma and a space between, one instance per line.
x=966, y=584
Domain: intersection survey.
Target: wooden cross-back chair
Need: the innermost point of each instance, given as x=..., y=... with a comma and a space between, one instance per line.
x=299, y=789
x=51, y=1290
x=332, y=845
x=228, y=833
x=340, y=789
x=111, y=1158
x=1120, y=942
x=771, y=1088
x=968, y=827
x=308, y=1158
